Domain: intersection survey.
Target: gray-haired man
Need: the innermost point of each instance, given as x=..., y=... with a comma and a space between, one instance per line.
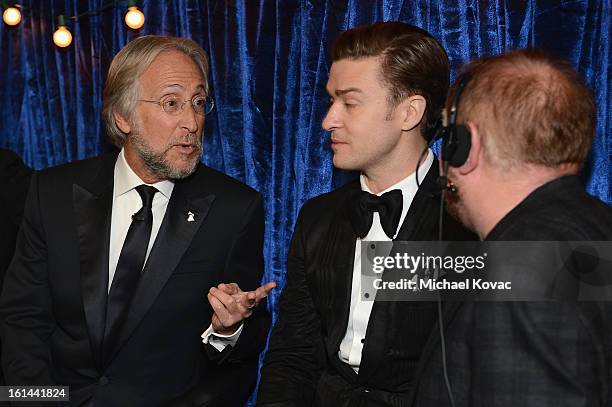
x=117, y=255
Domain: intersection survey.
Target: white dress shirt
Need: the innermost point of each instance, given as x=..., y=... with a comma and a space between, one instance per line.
x=126, y=202
x=359, y=314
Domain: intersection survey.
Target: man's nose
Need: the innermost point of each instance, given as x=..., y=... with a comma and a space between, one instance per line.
x=331, y=119
x=189, y=118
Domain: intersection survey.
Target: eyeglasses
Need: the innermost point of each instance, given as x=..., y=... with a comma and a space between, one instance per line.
x=174, y=106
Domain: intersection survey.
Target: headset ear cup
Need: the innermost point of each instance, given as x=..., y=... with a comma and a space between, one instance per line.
x=447, y=149
x=463, y=143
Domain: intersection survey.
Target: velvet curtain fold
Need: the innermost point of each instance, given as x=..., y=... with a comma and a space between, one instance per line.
x=269, y=66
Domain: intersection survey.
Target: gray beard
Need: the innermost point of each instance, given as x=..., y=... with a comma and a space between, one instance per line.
x=157, y=163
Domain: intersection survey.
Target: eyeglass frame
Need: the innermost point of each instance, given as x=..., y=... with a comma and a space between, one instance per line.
x=182, y=104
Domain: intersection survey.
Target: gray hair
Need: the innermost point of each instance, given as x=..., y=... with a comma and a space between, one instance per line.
x=122, y=87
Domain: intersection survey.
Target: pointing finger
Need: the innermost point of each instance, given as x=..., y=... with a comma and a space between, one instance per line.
x=263, y=291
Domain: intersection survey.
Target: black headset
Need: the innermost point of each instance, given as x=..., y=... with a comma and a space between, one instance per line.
x=456, y=139
x=455, y=149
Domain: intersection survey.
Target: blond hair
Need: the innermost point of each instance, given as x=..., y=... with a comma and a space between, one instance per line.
x=530, y=107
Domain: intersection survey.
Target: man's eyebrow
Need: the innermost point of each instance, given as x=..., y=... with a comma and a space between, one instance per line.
x=341, y=92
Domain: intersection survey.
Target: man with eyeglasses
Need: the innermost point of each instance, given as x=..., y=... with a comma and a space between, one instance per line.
x=127, y=283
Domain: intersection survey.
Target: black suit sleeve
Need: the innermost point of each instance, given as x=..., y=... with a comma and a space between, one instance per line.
x=236, y=367
x=25, y=306
x=245, y=266
x=295, y=358
x=14, y=181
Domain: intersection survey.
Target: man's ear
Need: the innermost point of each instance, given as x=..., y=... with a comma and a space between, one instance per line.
x=475, y=150
x=412, y=110
x=123, y=124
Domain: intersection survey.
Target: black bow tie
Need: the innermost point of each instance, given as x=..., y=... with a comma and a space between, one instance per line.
x=388, y=206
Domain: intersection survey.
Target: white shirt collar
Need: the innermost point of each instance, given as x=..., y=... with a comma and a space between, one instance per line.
x=126, y=179
x=408, y=186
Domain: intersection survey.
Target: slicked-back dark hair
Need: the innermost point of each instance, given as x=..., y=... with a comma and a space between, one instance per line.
x=412, y=63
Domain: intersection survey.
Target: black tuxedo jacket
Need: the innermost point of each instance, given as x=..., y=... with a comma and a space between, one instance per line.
x=14, y=181
x=53, y=303
x=302, y=367
x=530, y=354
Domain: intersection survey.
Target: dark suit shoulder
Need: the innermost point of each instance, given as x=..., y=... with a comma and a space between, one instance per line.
x=75, y=170
x=85, y=171
x=560, y=210
x=12, y=166
x=328, y=204
x=224, y=183
x=14, y=178
x=562, y=224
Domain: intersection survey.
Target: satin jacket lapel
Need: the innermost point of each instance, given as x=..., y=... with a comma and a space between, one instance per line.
x=429, y=199
x=92, y=207
x=336, y=265
x=174, y=237
x=423, y=206
x=424, y=203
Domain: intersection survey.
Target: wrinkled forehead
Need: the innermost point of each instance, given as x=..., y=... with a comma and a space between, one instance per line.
x=172, y=69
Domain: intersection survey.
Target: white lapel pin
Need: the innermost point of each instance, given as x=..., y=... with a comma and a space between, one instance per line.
x=190, y=216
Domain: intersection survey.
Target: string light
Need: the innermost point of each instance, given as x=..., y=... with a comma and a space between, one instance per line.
x=62, y=37
x=134, y=17
x=11, y=16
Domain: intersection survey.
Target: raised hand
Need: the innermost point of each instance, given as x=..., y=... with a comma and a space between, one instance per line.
x=231, y=305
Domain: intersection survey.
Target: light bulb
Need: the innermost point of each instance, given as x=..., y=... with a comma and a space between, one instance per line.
x=11, y=16
x=62, y=37
x=134, y=18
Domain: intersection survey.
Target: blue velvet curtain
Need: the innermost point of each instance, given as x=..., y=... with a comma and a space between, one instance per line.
x=269, y=65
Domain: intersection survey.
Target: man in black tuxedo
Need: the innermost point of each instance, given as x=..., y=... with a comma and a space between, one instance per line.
x=14, y=181
x=118, y=254
x=530, y=121
x=333, y=346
